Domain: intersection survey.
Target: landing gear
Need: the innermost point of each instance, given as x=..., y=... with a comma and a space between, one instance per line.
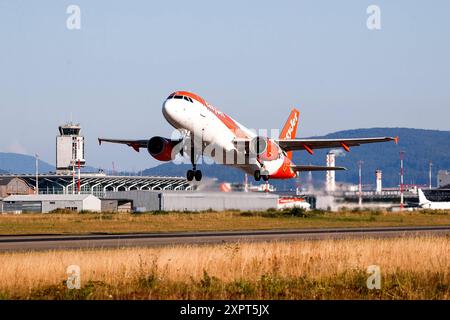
x=190, y=175
x=258, y=176
x=194, y=174
x=198, y=175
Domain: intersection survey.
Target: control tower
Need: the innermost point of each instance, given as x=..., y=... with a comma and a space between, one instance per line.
x=69, y=148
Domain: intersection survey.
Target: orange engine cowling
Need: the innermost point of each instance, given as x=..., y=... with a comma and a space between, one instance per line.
x=162, y=149
x=265, y=148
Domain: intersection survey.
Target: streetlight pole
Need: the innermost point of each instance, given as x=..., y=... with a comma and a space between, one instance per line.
x=431, y=173
x=402, y=181
x=360, y=163
x=37, y=174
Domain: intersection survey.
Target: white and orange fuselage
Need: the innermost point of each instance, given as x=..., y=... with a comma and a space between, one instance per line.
x=188, y=111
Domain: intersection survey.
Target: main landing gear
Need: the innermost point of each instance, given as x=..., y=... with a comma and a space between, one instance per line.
x=258, y=176
x=194, y=174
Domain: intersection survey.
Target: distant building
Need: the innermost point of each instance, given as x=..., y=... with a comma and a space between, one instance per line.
x=49, y=203
x=443, y=178
x=120, y=206
x=14, y=186
x=379, y=180
x=330, y=183
x=144, y=201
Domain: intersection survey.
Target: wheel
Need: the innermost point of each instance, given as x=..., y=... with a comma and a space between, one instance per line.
x=190, y=175
x=265, y=177
x=198, y=175
x=258, y=175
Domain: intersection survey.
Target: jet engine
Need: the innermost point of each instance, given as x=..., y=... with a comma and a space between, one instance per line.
x=163, y=149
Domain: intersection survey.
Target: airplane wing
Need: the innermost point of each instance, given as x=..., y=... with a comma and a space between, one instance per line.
x=135, y=144
x=311, y=144
x=316, y=168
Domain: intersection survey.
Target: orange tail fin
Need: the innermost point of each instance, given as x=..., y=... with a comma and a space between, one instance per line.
x=290, y=128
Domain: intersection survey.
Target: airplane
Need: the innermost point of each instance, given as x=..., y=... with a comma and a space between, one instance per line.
x=204, y=126
x=424, y=203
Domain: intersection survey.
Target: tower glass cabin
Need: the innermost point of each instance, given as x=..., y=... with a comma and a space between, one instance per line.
x=69, y=148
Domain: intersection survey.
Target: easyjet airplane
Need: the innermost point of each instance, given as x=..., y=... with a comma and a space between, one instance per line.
x=204, y=125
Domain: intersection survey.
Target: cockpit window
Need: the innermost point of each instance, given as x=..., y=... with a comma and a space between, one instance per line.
x=172, y=96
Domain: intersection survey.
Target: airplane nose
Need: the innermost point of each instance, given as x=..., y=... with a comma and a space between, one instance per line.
x=169, y=111
x=166, y=108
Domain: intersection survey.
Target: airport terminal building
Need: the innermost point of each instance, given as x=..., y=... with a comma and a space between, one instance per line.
x=99, y=184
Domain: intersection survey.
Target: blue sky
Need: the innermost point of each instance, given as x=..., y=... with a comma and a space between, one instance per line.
x=252, y=60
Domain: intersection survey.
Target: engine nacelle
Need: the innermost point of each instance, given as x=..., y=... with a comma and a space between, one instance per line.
x=163, y=149
x=265, y=148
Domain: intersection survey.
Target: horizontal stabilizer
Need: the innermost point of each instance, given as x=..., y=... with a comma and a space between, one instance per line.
x=316, y=168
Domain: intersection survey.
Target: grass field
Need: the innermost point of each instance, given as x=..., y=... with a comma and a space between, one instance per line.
x=410, y=269
x=69, y=223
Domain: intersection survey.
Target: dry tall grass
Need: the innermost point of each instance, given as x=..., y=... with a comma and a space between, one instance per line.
x=124, y=223
x=419, y=268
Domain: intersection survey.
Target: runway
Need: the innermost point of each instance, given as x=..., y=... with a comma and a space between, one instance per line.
x=98, y=241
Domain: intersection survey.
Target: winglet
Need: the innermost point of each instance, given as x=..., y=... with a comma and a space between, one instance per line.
x=396, y=140
x=100, y=141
